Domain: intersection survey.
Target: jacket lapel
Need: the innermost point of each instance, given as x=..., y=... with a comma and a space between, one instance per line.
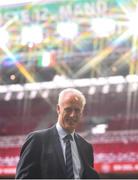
x=82, y=153
x=80, y=148
x=58, y=148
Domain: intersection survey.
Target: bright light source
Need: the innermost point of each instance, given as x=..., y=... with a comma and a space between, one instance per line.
x=102, y=81
x=92, y=90
x=33, y=94
x=20, y=95
x=44, y=94
x=103, y=27
x=119, y=88
x=132, y=23
x=105, y=89
x=116, y=79
x=7, y=96
x=134, y=87
x=12, y=77
x=3, y=89
x=15, y=87
x=25, y=35
x=37, y=34
x=99, y=129
x=31, y=35
x=93, y=81
x=4, y=37
x=46, y=59
x=32, y=86
x=67, y=30
x=58, y=78
x=81, y=82
x=132, y=78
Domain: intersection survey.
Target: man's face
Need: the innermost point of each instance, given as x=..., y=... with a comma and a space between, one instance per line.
x=69, y=112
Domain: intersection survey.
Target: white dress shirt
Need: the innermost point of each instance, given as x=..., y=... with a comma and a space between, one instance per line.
x=77, y=165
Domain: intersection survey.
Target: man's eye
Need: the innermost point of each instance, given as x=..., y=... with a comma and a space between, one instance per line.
x=68, y=110
x=77, y=110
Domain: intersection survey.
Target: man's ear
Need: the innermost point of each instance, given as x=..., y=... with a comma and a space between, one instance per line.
x=58, y=108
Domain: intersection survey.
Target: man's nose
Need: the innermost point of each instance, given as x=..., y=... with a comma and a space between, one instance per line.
x=73, y=113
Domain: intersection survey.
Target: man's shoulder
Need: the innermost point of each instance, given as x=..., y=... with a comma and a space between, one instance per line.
x=81, y=138
x=36, y=138
x=42, y=132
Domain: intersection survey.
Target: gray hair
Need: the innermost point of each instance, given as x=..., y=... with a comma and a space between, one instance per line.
x=72, y=91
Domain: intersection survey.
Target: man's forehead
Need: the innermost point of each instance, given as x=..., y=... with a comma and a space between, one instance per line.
x=72, y=98
x=76, y=98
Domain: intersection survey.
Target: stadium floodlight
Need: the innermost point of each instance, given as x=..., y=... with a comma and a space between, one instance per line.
x=132, y=22
x=119, y=88
x=20, y=95
x=67, y=30
x=99, y=129
x=134, y=87
x=92, y=90
x=44, y=94
x=108, y=26
x=33, y=94
x=46, y=59
x=4, y=37
x=105, y=89
x=29, y=35
x=8, y=96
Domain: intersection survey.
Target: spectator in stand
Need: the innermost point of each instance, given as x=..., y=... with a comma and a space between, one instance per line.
x=59, y=152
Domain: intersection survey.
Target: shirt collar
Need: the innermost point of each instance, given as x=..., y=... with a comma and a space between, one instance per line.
x=62, y=133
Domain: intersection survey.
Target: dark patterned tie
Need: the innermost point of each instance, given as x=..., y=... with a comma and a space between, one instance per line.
x=68, y=154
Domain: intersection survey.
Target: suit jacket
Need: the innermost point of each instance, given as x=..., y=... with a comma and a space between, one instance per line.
x=42, y=157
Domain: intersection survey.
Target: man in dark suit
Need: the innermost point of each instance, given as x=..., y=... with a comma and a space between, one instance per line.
x=45, y=153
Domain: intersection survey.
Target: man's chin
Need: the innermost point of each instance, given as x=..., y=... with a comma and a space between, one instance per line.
x=72, y=127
